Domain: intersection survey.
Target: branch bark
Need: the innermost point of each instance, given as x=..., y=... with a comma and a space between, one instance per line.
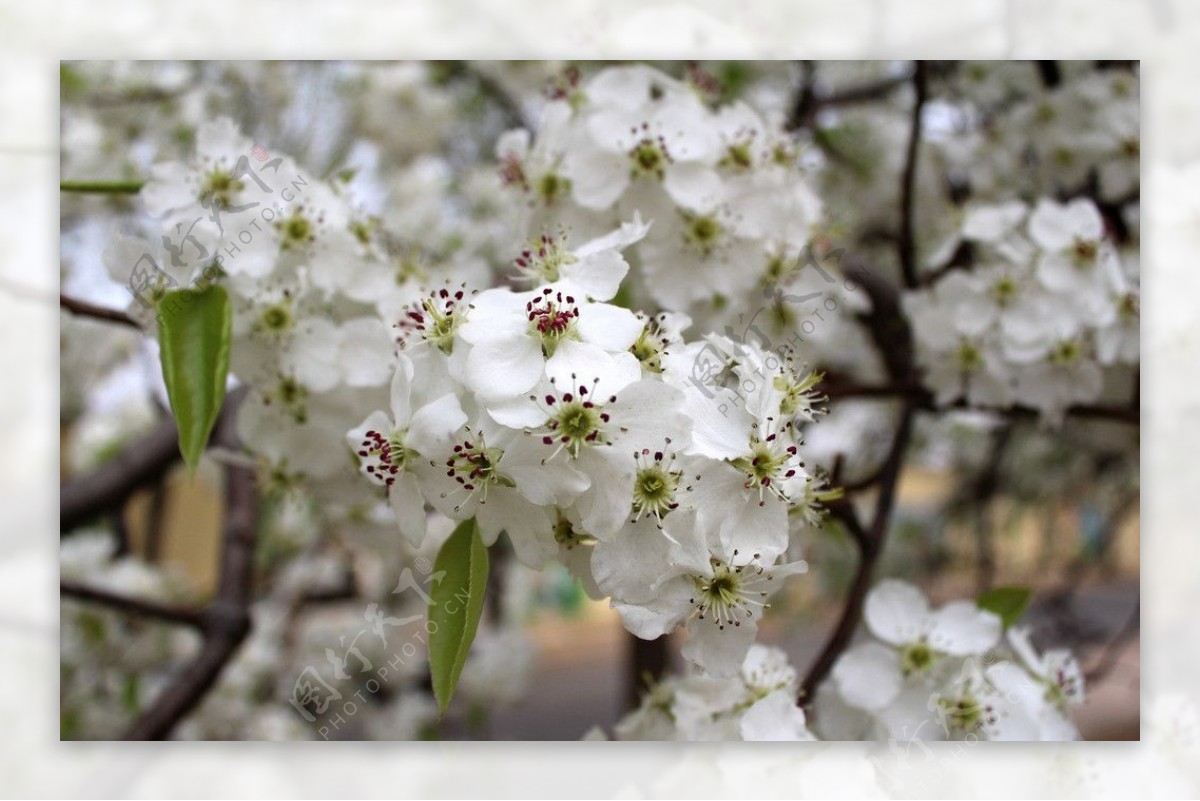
x=226, y=620
x=892, y=336
x=85, y=309
x=107, y=487
x=907, y=244
x=134, y=606
x=869, y=541
x=924, y=401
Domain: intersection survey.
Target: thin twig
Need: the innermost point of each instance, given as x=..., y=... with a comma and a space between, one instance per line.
x=809, y=101
x=924, y=401
x=907, y=247
x=870, y=542
x=133, y=606
x=85, y=309
x=892, y=336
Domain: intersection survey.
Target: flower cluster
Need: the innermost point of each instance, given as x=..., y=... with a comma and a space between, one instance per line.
x=1049, y=306
x=947, y=673
x=730, y=193
x=758, y=703
x=576, y=427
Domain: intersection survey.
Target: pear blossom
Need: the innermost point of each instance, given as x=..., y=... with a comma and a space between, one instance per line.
x=389, y=448
x=912, y=640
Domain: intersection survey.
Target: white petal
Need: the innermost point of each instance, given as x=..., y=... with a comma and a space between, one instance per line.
x=434, y=424
x=868, y=676
x=649, y=412
x=719, y=651
x=896, y=612
x=961, y=628
x=598, y=276
x=376, y=421
x=628, y=565
x=694, y=186
x=597, y=178
x=409, y=507
x=167, y=189
x=529, y=527
x=660, y=615
x=495, y=314
x=630, y=232
x=611, y=327
x=775, y=718
x=505, y=368
x=556, y=482
x=720, y=425
x=313, y=355
x=605, y=505
x=518, y=412
x=582, y=363
x=401, y=390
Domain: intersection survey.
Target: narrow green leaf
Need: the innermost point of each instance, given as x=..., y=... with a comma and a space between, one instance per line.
x=455, y=605
x=1007, y=603
x=194, y=329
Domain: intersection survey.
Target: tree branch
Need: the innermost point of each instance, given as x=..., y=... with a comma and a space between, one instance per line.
x=907, y=245
x=808, y=101
x=924, y=401
x=1112, y=650
x=184, y=616
x=226, y=620
x=86, y=496
x=892, y=336
x=648, y=661
x=870, y=545
x=85, y=309
x=1049, y=72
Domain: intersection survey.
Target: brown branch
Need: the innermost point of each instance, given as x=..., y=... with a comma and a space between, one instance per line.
x=865, y=93
x=184, y=616
x=870, y=542
x=805, y=104
x=906, y=247
x=1049, y=72
x=1112, y=650
x=924, y=401
x=962, y=258
x=809, y=101
x=890, y=332
x=106, y=488
x=647, y=661
x=85, y=309
x=226, y=620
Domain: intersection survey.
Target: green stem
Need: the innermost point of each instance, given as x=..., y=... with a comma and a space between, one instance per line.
x=102, y=187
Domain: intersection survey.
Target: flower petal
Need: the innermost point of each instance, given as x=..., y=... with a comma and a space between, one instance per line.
x=868, y=676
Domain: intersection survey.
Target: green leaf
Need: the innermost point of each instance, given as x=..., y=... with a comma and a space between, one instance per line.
x=1007, y=603
x=455, y=606
x=193, y=334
